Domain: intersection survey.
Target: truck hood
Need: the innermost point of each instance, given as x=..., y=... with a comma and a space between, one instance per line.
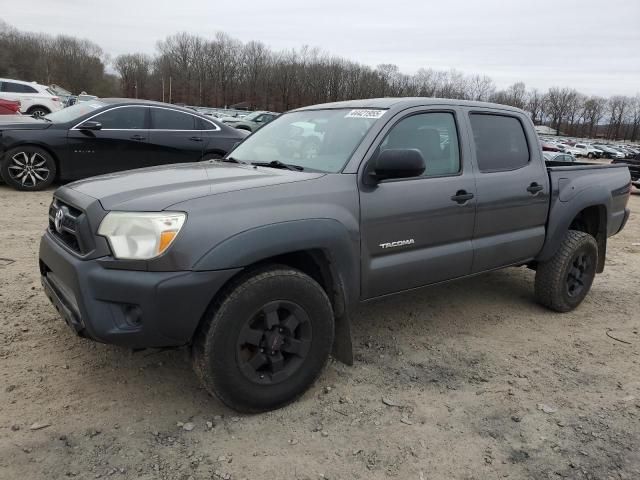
x=22, y=122
x=157, y=188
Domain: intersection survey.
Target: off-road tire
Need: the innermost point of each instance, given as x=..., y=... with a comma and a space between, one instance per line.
x=215, y=349
x=553, y=276
x=42, y=166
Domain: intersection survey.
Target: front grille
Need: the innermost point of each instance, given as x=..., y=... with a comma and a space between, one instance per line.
x=66, y=229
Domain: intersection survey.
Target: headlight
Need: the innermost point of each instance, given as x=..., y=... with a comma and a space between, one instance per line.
x=140, y=235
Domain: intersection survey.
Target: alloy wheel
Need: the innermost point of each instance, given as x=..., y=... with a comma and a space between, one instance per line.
x=28, y=168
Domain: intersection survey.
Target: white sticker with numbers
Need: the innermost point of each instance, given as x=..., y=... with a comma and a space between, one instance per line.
x=364, y=113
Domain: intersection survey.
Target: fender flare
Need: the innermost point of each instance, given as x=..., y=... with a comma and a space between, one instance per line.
x=340, y=248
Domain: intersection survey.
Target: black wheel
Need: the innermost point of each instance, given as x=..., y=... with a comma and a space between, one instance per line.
x=28, y=168
x=38, y=112
x=265, y=341
x=590, y=155
x=211, y=156
x=564, y=280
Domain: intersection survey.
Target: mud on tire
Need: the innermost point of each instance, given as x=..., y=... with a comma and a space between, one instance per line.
x=563, y=281
x=265, y=340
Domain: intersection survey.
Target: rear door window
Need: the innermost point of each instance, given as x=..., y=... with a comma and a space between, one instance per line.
x=166, y=119
x=500, y=142
x=17, y=88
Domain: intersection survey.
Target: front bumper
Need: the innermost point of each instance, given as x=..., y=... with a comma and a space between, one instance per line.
x=131, y=308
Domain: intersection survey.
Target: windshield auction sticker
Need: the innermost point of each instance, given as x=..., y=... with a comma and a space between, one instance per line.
x=364, y=113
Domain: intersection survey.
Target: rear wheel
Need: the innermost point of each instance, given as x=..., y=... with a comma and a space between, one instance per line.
x=266, y=340
x=38, y=112
x=563, y=281
x=590, y=155
x=28, y=168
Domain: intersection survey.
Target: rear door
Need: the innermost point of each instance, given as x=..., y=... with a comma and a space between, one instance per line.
x=418, y=231
x=121, y=144
x=17, y=91
x=175, y=136
x=512, y=190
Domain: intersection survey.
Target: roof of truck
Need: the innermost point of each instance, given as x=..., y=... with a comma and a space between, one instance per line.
x=406, y=102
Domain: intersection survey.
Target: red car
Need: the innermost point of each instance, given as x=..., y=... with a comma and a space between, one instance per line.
x=9, y=107
x=549, y=147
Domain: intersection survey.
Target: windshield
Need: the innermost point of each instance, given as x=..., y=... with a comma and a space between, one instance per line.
x=75, y=111
x=318, y=140
x=251, y=116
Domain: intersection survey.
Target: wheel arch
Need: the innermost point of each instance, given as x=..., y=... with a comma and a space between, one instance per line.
x=33, y=107
x=591, y=219
x=320, y=248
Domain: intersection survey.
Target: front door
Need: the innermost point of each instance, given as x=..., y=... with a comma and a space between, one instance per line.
x=418, y=231
x=121, y=144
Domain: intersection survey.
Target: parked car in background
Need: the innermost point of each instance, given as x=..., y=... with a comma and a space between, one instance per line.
x=559, y=157
x=634, y=168
x=252, y=121
x=571, y=150
x=209, y=112
x=608, y=152
x=104, y=136
x=66, y=96
x=35, y=99
x=84, y=97
x=587, y=150
x=9, y=107
x=549, y=147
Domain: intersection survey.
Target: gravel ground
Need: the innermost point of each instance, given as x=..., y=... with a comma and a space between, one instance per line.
x=470, y=380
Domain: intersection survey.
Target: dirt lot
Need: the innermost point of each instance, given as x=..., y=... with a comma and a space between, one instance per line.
x=467, y=371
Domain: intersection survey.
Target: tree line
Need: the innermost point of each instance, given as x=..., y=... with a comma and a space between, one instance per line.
x=224, y=72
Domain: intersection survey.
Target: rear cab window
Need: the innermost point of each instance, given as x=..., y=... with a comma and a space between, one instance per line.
x=500, y=142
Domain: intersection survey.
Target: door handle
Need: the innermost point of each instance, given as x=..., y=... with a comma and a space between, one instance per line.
x=462, y=196
x=195, y=139
x=136, y=137
x=534, y=188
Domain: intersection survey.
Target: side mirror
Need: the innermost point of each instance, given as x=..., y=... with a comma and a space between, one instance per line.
x=90, y=125
x=396, y=163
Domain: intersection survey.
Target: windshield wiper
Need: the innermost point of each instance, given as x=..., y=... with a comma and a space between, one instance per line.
x=279, y=164
x=231, y=160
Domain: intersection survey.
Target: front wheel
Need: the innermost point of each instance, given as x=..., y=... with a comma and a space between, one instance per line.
x=28, y=168
x=590, y=155
x=563, y=281
x=265, y=341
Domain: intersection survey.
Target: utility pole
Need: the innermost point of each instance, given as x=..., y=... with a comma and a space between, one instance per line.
x=169, y=88
x=162, y=89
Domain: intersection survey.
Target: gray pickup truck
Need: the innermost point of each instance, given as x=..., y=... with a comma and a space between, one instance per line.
x=256, y=261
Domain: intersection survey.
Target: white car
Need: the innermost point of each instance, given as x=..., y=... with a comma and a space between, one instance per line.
x=35, y=99
x=588, y=150
x=572, y=150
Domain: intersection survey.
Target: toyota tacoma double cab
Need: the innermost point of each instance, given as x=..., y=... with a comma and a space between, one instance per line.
x=257, y=260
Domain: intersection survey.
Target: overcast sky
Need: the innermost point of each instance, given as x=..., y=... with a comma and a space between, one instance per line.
x=591, y=45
